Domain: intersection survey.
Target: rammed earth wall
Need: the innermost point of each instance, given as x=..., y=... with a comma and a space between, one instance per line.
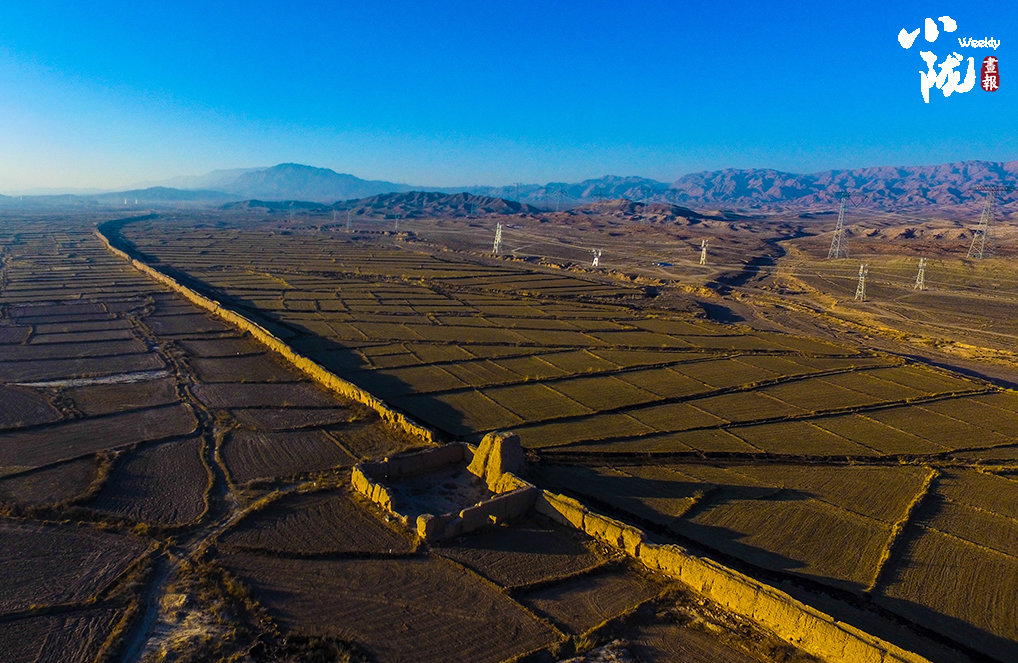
x=809, y=629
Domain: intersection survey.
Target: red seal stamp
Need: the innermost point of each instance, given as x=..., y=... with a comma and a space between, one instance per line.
x=990, y=74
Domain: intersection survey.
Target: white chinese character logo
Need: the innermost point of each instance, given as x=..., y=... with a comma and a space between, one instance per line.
x=947, y=80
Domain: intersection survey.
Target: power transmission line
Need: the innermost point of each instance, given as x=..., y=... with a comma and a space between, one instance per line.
x=839, y=245
x=497, y=246
x=920, y=279
x=860, y=290
x=982, y=244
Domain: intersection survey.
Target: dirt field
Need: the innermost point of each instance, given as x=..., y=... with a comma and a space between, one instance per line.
x=202, y=485
x=201, y=482
x=601, y=375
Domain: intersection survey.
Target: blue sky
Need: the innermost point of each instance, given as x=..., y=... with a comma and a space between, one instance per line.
x=486, y=92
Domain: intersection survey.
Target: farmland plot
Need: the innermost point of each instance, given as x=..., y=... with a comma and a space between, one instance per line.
x=792, y=534
x=24, y=407
x=595, y=427
x=981, y=412
x=185, y=324
x=253, y=455
x=709, y=440
x=983, y=528
x=51, y=485
x=798, y=438
x=73, y=637
x=954, y=585
x=238, y=395
x=723, y=372
x=650, y=494
x=219, y=347
x=161, y=484
x=675, y=417
x=249, y=368
x=328, y=522
x=290, y=418
x=74, y=338
x=395, y=609
x=536, y=402
x=523, y=553
x=818, y=394
x=53, y=369
x=531, y=367
x=461, y=412
x=663, y=382
x=71, y=350
x=663, y=642
x=82, y=437
x=97, y=399
x=602, y=393
x=579, y=604
x=881, y=438
x=747, y=406
x=936, y=429
x=878, y=492
x=981, y=490
x=59, y=564
x=14, y=334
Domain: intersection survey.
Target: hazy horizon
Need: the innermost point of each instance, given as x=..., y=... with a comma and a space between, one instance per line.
x=462, y=94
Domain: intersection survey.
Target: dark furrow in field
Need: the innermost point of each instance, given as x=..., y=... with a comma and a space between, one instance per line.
x=819, y=414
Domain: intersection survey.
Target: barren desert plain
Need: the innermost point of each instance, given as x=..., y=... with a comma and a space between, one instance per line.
x=172, y=488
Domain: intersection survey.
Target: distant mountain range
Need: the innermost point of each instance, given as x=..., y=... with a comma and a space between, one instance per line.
x=293, y=181
x=885, y=186
x=758, y=188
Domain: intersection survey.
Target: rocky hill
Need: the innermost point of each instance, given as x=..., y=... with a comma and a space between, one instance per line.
x=431, y=204
x=885, y=186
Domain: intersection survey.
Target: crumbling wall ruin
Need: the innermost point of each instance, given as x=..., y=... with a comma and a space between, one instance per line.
x=513, y=498
x=791, y=620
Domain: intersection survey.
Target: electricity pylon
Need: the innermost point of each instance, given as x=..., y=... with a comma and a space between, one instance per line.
x=703, y=252
x=920, y=278
x=560, y=198
x=860, y=290
x=497, y=246
x=982, y=244
x=597, y=257
x=839, y=245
